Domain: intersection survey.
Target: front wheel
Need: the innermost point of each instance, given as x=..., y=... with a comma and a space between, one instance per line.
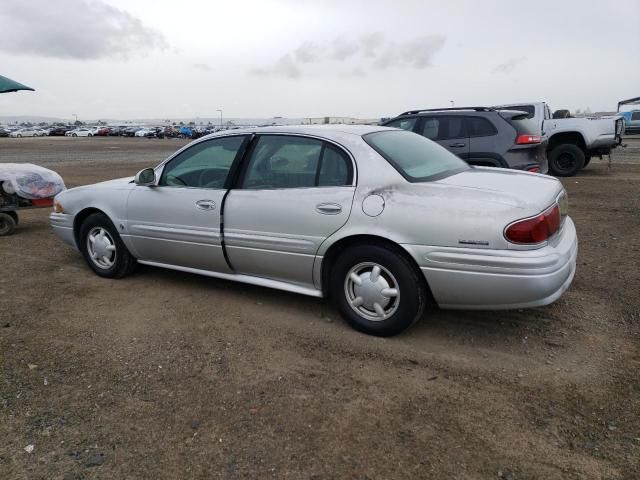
x=566, y=160
x=103, y=248
x=7, y=223
x=377, y=290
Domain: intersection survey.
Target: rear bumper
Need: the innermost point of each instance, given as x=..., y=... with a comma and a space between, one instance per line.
x=62, y=225
x=465, y=278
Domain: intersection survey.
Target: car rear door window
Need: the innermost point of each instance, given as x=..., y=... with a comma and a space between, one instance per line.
x=283, y=161
x=286, y=161
x=635, y=116
x=335, y=168
x=442, y=128
x=403, y=123
x=205, y=165
x=480, y=127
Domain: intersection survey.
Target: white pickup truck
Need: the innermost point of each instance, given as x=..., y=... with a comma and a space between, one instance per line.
x=572, y=141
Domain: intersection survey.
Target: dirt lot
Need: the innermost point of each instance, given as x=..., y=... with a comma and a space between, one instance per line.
x=170, y=375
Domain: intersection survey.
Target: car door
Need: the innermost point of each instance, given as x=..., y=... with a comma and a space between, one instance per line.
x=293, y=193
x=448, y=131
x=177, y=221
x=486, y=146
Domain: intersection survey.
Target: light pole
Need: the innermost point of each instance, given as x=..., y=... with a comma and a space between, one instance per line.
x=220, y=110
x=75, y=115
x=452, y=103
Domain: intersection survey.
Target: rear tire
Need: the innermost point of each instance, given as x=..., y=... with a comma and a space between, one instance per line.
x=103, y=249
x=377, y=290
x=566, y=160
x=7, y=224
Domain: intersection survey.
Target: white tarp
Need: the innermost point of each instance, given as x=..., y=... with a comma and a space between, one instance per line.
x=29, y=181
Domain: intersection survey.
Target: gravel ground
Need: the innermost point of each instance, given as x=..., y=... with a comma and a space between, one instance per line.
x=167, y=375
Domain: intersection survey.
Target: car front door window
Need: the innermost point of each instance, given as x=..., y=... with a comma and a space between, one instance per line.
x=403, y=123
x=205, y=165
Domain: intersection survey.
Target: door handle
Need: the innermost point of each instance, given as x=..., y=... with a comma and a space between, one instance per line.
x=206, y=204
x=458, y=145
x=329, y=208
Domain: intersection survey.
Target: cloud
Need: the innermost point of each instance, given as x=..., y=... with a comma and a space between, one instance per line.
x=417, y=53
x=373, y=48
x=201, y=66
x=308, y=52
x=343, y=49
x=284, y=67
x=371, y=43
x=509, y=65
x=75, y=29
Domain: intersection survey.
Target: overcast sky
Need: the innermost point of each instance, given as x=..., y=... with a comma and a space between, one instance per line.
x=364, y=58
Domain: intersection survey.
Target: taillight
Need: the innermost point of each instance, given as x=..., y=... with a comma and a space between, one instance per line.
x=528, y=139
x=536, y=229
x=533, y=169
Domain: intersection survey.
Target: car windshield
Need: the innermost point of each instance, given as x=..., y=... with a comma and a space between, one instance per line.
x=417, y=158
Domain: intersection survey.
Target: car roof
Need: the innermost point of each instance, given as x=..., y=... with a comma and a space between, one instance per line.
x=326, y=131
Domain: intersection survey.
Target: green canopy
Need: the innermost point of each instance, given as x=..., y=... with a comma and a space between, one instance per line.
x=8, y=85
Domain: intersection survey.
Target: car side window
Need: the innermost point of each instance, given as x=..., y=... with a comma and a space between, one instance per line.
x=403, y=123
x=335, y=168
x=635, y=116
x=480, y=127
x=287, y=161
x=205, y=165
x=282, y=161
x=443, y=128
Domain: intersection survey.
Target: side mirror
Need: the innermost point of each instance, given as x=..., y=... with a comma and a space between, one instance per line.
x=146, y=177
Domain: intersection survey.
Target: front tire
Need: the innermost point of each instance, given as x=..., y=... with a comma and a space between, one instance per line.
x=7, y=224
x=566, y=160
x=103, y=249
x=377, y=290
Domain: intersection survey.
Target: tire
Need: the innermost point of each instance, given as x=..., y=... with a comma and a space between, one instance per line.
x=7, y=224
x=587, y=159
x=90, y=135
x=394, y=312
x=106, y=255
x=74, y=134
x=14, y=215
x=566, y=160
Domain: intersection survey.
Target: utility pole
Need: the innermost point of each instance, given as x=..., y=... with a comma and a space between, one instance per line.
x=220, y=110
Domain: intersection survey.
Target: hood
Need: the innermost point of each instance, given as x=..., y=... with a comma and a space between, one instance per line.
x=118, y=182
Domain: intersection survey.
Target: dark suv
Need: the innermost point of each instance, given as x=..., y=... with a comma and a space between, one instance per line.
x=481, y=135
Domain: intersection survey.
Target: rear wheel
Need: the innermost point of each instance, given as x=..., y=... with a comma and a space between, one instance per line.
x=7, y=224
x=103, y=248
x=377, y=290
x=566, y=160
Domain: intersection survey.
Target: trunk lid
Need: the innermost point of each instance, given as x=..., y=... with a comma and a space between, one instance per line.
x=529, y=191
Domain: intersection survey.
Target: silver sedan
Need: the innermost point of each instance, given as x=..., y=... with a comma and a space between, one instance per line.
x=384, y=222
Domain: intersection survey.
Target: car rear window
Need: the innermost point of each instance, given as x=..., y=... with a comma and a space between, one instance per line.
x=417, y=158
x=529, y=109
x=523, y=124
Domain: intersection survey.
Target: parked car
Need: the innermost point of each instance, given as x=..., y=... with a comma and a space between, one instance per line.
x=58, y=131
x=25, y=132
x=4, y=132
x=382, y=221
x=481, y=136
x=101, y=131
x=572, y=142
x=130, y=131
x=145, y=132
x=80, y=132
x=631, y=121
